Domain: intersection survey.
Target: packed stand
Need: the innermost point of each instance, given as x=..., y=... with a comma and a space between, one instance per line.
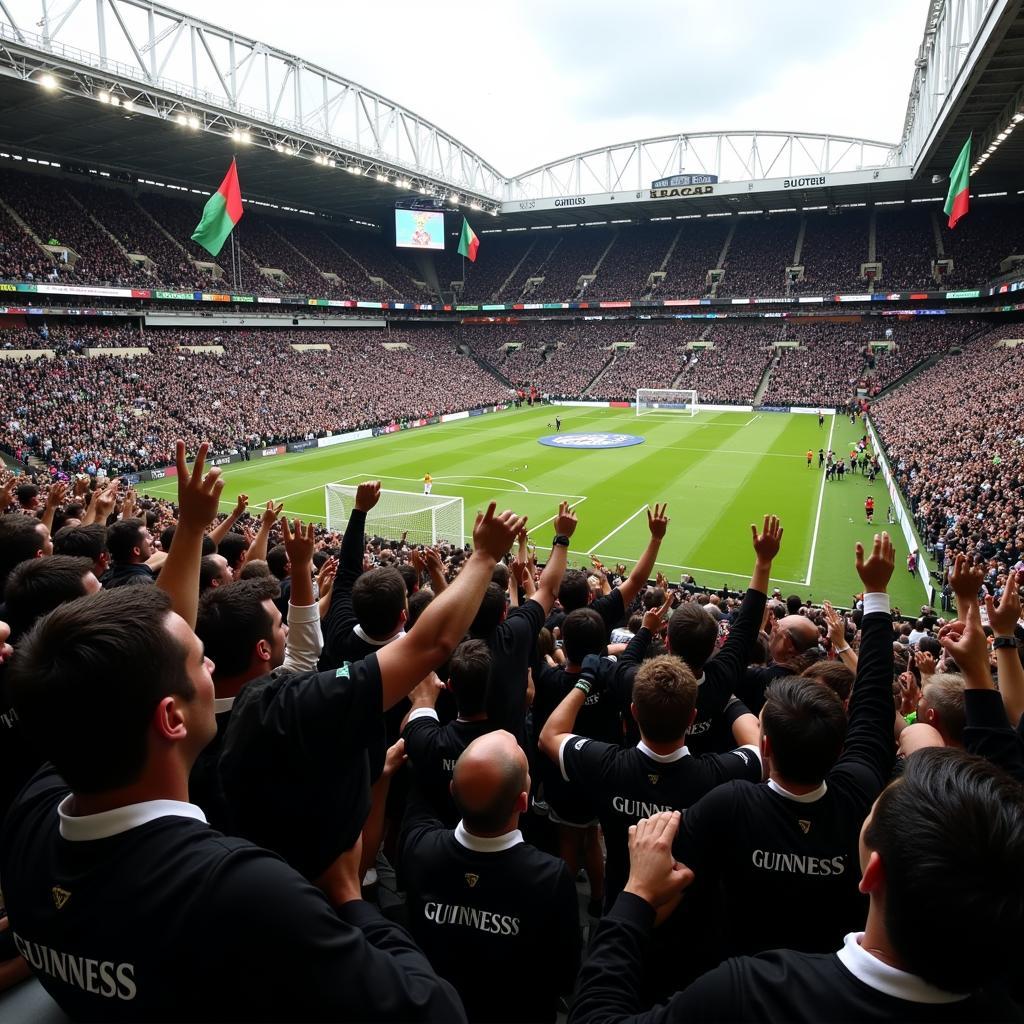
x=47, y=207
x=119, y=212
x=833, y=250
x=654, y=361
x=486, y=276
x=123, y=414
x=905, y=246
x=577, y=254
x=697, y=249
x=980, y=242
x=637, y=252
x=20, y=258
x=468, y=786
x=963, y=475
x=760, y=250
x=731, y=371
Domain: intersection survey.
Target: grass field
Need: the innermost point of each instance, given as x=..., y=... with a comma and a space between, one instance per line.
x=719, y=472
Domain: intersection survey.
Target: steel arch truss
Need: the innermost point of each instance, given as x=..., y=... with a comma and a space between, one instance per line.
x=169, y=64
x=731, y=156
x=955, y=35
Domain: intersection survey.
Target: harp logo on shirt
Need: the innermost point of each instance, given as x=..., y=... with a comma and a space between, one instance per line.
x=471, y=879
x=60, y=896
x=805, y=825
x=653, y=779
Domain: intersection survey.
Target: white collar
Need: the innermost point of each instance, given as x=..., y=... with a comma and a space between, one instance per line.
x=890, y=981
x=222, y=704
x=358, y=630
x=676, y=755
x=487, y=844
x=86, y=827
x=800, y=798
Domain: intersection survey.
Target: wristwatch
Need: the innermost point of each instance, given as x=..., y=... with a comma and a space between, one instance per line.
x=1005, y=641
x=560, y=539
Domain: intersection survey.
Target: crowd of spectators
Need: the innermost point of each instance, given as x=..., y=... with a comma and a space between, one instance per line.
x=980, y=242
x=210, y=718
x=124, y=413
x=760, y=251
x=963, y=473
x=834, y=247
x=697, y=249
x=20, y=258
x=638, y=251
x=654, y=361
x=48, y=208
x=905, y=246
x=577, y=254
x=731, y=370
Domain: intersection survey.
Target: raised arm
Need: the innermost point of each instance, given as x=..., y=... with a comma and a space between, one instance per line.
x=445, y=620
x=223, y=528
x=54, y=498
x=869, y=737
x=837, y=634
x=258, y=548
x=435, y=568
x=305, y=641
x=198, y=500
x=1003, y=619
x=551, y=578
x=562, y=720
x=631, y=586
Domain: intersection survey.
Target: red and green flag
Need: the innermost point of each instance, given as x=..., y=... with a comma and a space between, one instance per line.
x=468, y=242
x=959, y=185
x=222, y=212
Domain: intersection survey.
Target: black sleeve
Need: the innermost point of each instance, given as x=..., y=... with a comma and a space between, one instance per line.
x=724, y=672
x=870, y=750
x=626, y=667
x=515, y=644
x=610, y=608
x=705, y=829
x=341, y=617
x=988, y=732
x=420, y=737
x=567, y=917
x=636, y=649
x=317, y=962
x=418, y=824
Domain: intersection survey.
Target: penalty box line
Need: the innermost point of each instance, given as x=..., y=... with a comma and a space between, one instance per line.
x=691, y=568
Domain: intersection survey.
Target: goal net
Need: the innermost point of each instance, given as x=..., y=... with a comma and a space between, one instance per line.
x=666, y=400
x=426, y=518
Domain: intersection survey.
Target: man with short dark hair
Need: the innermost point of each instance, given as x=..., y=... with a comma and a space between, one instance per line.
x=116, y=887
x=131, y=546
x=39, y=585
x=486, y=907
x=21, y=538
x=233, y=547
x=213, y=573
x=952, y=824
x=89, y=541
x=789, y=846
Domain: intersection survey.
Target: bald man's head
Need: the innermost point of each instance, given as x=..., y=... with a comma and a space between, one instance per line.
x=491, y=784
x=793, y=635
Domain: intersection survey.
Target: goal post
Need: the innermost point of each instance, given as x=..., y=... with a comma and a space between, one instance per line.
x=673, y=401
x=426, y=518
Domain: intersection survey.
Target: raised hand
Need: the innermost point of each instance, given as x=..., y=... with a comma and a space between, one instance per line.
x=654, y=618
x=1003, y=617
x=128, y=505
x=658, y=522
x=768, y=541
x=105, y=500
x=432, y=558
x=565, y=521
x=966, y=580
x=493, y=534
x=367, y=495
x=925, y=663
x=198, y=495
x=836, y=626
x=654, y=874
x=81, y=486
x=910, y=693
x=325, y=577
x=270, y=514
x=969, y=649
x=298, y=542
x=876, y=571
x=241, y=504
x=416, y=561
x=56, y=494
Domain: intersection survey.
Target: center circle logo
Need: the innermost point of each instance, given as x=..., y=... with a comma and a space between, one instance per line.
x=591, y=440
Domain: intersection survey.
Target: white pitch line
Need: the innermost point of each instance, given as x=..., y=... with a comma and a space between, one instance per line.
x=821, y=496
x=544, y=522
x=691, y=568
x=472, y=487
x=642, y=508
x=475, y=476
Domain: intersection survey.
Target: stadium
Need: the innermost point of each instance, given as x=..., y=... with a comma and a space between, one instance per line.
x=218, y=257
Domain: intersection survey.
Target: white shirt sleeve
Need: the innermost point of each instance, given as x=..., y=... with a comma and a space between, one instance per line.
x=305, y=639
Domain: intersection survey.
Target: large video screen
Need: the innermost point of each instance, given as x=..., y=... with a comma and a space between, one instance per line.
x=419, y=229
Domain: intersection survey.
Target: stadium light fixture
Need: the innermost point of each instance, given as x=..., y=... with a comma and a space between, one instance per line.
x=115, y=101
x=243, y=138
x=104, y=97
x=47, y=81
x=454, y=199
x=355, y=169
x=332, y=163
x=193, y=122
x=319, y=159
x=474, y=205
x=129, y=106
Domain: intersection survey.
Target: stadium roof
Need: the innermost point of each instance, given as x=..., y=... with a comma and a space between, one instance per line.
x=118, y=111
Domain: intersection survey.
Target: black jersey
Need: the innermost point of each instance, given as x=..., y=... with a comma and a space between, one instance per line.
x=793, y=857
x=146, y=913
x=782, y=985
x=627, y=784
x=295, y=767
x=497, y=918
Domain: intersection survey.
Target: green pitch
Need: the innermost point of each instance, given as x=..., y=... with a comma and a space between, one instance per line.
x=719, y=472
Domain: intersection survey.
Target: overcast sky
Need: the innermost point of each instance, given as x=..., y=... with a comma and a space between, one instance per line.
x=525, y=82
